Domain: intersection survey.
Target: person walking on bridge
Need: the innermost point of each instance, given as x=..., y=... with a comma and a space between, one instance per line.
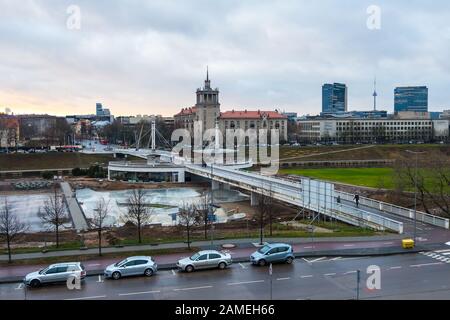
x=356, y=198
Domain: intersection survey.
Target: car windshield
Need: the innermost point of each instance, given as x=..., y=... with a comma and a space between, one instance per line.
x=195, y=256
x=121, y=262
x=264, y=249
x=43, y=271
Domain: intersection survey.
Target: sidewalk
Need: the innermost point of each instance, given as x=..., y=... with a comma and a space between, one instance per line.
x=242, y=243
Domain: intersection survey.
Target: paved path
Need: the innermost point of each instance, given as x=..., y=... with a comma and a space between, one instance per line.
x=78, y=218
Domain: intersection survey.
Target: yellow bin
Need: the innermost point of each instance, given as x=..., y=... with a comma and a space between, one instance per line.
x=408, y=243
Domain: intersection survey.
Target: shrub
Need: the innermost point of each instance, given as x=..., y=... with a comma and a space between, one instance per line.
x=48, y=175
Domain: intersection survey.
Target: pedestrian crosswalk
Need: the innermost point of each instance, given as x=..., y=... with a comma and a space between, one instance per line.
x=439, y=255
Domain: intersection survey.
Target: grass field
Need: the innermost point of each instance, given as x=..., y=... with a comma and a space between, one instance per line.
x=366, y=177
x=380, y=178
x=359, y=152
x=52, y=160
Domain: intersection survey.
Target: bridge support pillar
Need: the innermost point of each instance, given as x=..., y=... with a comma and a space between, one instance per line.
x=225, y=186
x=215, y=185
x=181, y=176
x=254, y=199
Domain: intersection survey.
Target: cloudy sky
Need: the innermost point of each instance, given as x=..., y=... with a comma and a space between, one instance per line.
x=145, y=57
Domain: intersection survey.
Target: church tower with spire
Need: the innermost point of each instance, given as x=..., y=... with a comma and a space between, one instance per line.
x=207, y=105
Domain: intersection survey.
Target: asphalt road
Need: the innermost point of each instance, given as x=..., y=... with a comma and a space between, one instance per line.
x=412, y=276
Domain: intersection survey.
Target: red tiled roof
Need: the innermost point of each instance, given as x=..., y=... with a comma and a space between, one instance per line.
x=9, y=121
x=186, y=111
x=251, y=115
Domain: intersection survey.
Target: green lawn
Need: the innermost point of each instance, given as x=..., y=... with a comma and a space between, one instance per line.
x=367, y=177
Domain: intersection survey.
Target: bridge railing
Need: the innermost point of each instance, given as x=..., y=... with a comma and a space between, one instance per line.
x=397, y=210
x=291, y=192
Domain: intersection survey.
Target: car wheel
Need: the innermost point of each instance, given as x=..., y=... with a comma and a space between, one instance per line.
x=148, y=272
x=189, y=268
x=222, y=265
x=35, y=283
x=116, y=275
x=289, y=260
x=262, y=262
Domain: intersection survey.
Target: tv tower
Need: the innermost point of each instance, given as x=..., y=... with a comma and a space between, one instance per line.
x=375, y=94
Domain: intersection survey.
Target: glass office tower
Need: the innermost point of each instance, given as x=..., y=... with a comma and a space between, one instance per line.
x=334, y=98
x=411, y=99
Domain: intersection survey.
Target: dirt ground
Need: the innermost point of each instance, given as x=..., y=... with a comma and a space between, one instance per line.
x=105, y=185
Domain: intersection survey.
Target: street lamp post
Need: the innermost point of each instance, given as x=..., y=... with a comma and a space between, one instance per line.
x=416, y=153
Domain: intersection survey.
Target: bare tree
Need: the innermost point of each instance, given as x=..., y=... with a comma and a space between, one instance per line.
x=203, y=209
x=53, y=214
x=10, y=226
x=432, y=180
x=188, y=217
x=138, y=211
x=101, y=213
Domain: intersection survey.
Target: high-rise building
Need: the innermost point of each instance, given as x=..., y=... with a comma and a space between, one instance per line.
x=411, y=99
x=334, y=98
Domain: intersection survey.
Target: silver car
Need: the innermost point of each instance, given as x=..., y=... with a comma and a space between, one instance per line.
x=54, y=273
x=205, y=260
x=132, y=266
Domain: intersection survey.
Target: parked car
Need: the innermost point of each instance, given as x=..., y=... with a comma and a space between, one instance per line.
x=205, y=260
x=55, y=273
x=132, y=266
x=272, y=253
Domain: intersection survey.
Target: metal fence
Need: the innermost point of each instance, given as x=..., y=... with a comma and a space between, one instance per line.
x=397, y=210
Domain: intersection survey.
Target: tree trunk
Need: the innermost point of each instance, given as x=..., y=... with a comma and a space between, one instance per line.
x=270, y=224
x=261, y=231
x=99, y=241
x=139, y=233
x=206, y=227
x=57, y=236
x=188, y=237
x=8, y=242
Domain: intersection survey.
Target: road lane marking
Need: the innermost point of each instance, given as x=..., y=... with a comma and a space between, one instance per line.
x=308, y=276
x=440, y=251
x=337, y=258
x=282, y=279
x=425, y=265
x=349, y=245
x=242, y=266
x=387, y=243
x=308, y=247
x=395, y=268
x=316, y=260
x=20, y=287
x=100, y=280
x=193, y=288
x=329, y=274
x=87, y=298
x=137, y=293
x=244, y=282
x=94, y=265
x=350, y=272
x=173, y=272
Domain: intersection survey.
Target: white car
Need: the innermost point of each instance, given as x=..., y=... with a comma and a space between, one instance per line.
x=207, y=259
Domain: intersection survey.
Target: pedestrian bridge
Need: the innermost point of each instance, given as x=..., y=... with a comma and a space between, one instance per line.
x=310, y=194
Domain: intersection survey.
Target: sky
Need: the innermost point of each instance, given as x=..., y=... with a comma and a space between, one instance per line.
x=149, y=57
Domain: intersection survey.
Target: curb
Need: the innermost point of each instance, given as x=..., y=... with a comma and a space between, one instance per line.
x=330, y=253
